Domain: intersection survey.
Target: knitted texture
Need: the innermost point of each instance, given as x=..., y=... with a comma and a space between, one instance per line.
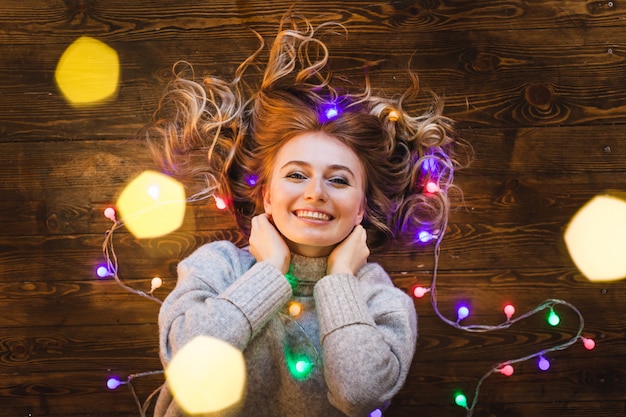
x=360, y=331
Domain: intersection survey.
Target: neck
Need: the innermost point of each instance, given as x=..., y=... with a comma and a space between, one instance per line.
x=310, y=251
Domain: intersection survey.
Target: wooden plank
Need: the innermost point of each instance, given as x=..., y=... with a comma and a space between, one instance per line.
x=466, y=246
x=71, y=393
x=533, y=152
x=48, y=349
x=537, y=88
x=76, y=303
x=516, y=176
x=488, y=79
x=105, y=344
x=535, y=245
x=569, y=408
x=117, y=19
x=584, y=380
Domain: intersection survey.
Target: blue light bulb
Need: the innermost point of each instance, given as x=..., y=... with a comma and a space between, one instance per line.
x=462, y=312
x=113, y=383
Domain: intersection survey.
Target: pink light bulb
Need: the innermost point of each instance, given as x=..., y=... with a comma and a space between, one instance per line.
x=109, y=213
x=419, y=292
x=509, y=310
x=507, y=370
x=431, y=187
x=589, y=344
x=220, y=203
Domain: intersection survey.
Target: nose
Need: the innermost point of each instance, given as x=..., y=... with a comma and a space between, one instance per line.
x=315, y=190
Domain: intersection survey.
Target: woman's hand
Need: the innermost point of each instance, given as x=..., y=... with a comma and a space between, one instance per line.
x=351, y=254
x=266, y=243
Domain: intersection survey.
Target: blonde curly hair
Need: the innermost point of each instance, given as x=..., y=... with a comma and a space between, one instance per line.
x=223, y=135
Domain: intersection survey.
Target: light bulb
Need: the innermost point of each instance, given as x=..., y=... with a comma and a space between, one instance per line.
x=113, y=383
x=424, y=236
x=331, y=113
x=155, y=283
x=460, y=400
x=328, y=111
x=507, y=370
x=109, y=213
x=543, y=363
x=219, y=202
x=295, y=309
x=589, y=344
x=431, y=187
x=462, y=312
x=103, y=272
x=419, y=292
x=553, y=318
x=251, y=180
x=300, y=367
x=509, y=310
x=376, y=413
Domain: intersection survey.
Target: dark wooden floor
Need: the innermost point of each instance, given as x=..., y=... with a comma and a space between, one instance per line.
x=538, y=87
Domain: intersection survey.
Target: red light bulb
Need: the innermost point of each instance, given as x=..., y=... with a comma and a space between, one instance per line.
x=589, y=344
x=509, y=310
x=419, y=292
x=507, y=370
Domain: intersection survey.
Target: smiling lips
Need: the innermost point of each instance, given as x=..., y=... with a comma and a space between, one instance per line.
x=313, y=215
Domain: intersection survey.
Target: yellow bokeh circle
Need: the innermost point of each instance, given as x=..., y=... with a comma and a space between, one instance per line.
x=88, y=71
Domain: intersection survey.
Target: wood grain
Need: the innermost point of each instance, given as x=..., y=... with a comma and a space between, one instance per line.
x=536, y=86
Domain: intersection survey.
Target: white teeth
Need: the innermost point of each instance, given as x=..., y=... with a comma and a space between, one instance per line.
x=315, y=215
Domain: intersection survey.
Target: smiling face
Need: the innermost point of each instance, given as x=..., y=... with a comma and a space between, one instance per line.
x=315, y=194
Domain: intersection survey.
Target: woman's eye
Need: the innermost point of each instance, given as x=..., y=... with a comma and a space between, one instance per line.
x=339, y=180
x=296, y=176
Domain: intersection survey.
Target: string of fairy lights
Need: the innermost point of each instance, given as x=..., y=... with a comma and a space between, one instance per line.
x=582, y=238
x=505, y=368
x=434, y=182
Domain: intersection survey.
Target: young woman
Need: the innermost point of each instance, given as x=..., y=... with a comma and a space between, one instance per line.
x=315, y=179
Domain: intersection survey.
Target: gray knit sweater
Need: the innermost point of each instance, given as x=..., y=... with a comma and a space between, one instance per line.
x=359, y=331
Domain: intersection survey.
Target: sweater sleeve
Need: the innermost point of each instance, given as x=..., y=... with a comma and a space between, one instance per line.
x=368, y=330
x=220, y=292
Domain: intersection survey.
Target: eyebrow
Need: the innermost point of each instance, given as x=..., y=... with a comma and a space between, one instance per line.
x=332, y=167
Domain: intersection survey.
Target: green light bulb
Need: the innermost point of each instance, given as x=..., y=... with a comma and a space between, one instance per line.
x=302, y=366
x=553, y=318
x=460, y=400
x=299, y=366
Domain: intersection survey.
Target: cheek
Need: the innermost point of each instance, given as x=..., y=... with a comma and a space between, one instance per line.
x=352, y=210
x=276, y=198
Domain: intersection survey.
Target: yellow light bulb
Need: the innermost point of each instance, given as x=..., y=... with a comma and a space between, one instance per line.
x=295, y=309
